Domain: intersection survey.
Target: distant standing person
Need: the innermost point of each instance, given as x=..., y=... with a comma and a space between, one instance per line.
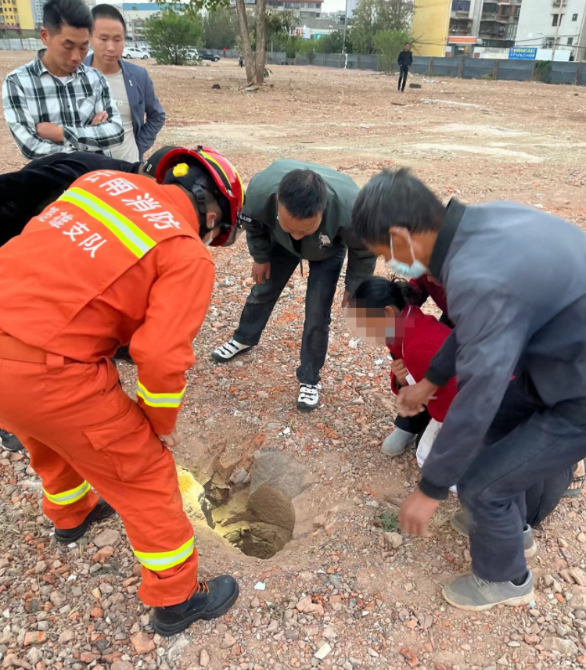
x=142, y=114
x=405, y=61
x=55, y=103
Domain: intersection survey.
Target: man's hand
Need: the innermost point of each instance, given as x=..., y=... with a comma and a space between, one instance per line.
x=171, y=441
x=416, y=513
x=400, y=371
x=261, y=272
x=51, y=132
x=412, y=399
x=100, y=117
x=346, y=299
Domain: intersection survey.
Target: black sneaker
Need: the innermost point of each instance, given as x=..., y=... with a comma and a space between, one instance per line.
x=308, y=398
x=211, y=600
x=229, y=350
x=10, y=442
x=100, y=512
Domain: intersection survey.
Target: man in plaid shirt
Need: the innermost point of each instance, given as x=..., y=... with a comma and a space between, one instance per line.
x=56, y=103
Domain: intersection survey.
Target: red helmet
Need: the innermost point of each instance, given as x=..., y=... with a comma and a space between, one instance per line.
x=224, y=175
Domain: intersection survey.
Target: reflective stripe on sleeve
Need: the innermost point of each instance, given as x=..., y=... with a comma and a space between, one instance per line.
x=159, y=399
x=131, y=236
x=68, y=497
x=166, y=559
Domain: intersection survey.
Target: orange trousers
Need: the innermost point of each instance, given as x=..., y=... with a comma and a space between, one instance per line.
x=81, y=429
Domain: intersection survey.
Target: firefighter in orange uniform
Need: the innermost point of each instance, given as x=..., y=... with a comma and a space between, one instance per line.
x=118, y=259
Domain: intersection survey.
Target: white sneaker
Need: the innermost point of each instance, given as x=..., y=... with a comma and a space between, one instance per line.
x=308, y=398
x=227, y=351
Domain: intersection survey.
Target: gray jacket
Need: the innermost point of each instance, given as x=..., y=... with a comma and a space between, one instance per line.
x=143, y=103
x=515, y=280
x=259, y=216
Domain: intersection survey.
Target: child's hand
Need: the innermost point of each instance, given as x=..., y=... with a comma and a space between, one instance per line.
x=400, y=371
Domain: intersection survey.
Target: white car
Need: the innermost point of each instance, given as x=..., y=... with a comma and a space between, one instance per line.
x=131, y=52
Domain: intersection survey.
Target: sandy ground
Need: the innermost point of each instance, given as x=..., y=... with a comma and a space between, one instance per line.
x=380, y=607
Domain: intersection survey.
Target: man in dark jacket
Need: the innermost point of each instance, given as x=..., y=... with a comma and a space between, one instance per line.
x=515, y=279
x=294, y=212
x=134, y=92
x=405, y=61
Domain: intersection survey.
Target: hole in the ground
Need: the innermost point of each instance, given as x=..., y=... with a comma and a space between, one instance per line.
x=259, y=524
x=253, y=511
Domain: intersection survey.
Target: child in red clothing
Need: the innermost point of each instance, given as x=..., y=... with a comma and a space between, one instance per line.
x=383, y=312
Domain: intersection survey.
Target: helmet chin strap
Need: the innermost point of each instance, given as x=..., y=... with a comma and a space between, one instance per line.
x=202, y=210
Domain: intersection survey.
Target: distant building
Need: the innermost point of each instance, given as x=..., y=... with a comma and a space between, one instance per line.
x=431, y=25
x=302, y=10
x=135, y=15
x=542, y=21
x=16, y=15
x=37, y=7
x=351, y=6
x=315, y=28
x=454, y=27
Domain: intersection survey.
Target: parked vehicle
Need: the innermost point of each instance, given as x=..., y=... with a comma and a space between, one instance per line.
x=193, y=55
x=208, y=55
x=131, y=52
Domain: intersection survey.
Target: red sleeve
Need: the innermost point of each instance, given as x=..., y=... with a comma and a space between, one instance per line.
x=162, y=347
x=417, y=357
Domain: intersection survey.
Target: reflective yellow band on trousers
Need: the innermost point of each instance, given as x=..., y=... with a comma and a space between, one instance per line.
x=159, y=399
x=68, y=497
x=166, y=559
x=131, y=236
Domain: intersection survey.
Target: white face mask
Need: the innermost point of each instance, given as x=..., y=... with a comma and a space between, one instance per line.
x=413, y=271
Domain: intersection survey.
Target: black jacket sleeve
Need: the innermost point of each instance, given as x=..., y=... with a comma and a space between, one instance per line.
x=26, y=193
x=490, y=342
x=443, y=365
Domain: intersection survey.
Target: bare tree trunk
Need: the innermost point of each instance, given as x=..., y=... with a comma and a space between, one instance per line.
x=261, y=40
x=245, y=37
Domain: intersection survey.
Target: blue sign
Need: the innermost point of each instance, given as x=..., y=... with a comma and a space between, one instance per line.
x=522, y=53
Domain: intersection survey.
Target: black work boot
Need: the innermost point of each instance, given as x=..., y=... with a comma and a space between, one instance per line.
x=100, y=512
x=10, y=442
x=211, y=600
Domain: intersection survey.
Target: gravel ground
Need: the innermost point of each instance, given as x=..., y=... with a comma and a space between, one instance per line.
x=342, y=593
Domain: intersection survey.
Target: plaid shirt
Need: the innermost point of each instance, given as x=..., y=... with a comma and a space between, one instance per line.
x=31, y=95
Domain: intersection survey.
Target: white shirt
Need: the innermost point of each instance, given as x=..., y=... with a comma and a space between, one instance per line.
x=127, y=151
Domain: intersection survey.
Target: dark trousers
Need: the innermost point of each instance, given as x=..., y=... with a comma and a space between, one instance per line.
x=527, y=444
x=542, y=498
x=321, y=288
x=413, y=424
x=403, y=72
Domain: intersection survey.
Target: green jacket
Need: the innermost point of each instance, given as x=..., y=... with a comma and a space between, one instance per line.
x=263, y=230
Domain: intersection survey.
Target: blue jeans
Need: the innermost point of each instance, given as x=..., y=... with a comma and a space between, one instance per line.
x=321, y=288
x=527, y=443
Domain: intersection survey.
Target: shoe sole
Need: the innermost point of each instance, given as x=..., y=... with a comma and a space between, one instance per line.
x=175, y=629
x=219, y=359
x=511, y=602
x=529, y=552
x=393, y=454
x=83, y=528
x=306, y=408
x=12, y=450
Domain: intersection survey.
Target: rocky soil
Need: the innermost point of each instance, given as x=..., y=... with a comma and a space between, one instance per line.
x=344, y=592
